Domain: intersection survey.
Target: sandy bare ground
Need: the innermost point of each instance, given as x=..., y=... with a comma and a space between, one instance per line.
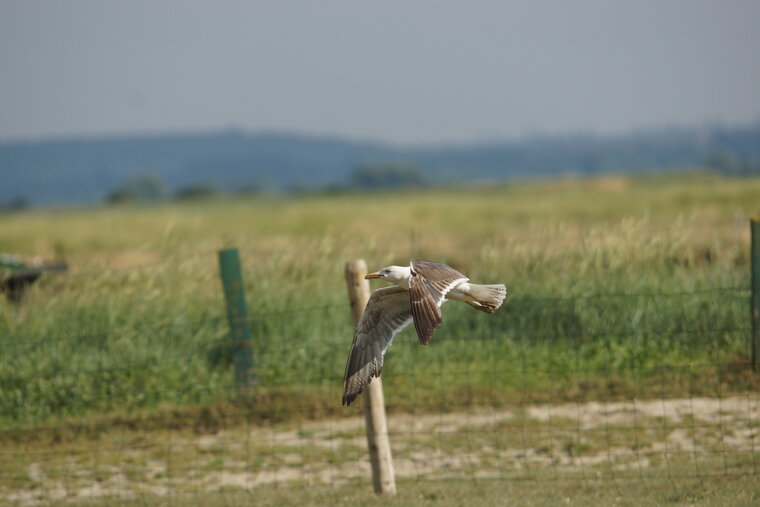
x=647, y=438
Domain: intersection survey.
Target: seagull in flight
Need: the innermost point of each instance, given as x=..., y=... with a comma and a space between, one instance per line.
x=419, y=291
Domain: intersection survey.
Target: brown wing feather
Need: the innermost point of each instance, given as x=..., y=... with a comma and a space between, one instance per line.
x=428, y=286
x=386, y=314
x=425, y=312
x=435, y=272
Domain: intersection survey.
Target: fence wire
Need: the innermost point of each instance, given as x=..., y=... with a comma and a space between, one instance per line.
x=547, y=404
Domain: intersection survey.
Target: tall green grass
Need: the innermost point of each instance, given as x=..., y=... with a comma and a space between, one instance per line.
x=617, y=287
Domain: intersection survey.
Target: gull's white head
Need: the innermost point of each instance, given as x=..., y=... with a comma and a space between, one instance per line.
x=395, y=274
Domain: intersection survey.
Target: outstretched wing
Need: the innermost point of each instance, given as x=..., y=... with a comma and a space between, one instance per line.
x=428, y=286
x=386, y=314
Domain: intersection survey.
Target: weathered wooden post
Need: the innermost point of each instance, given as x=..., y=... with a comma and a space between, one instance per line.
x=383, y=477
x=755, y=297
x=237, y=316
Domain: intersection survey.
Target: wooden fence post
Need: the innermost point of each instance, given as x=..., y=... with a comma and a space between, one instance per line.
x=383, y=477
x=237, y=316
x=755, y=297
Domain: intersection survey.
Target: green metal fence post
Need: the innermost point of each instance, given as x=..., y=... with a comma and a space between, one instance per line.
x=237, y=315
x=755, y=261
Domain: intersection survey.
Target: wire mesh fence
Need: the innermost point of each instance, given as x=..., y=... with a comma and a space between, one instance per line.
x=572, y=399
x=592, y=385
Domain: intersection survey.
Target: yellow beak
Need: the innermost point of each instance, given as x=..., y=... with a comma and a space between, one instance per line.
x=372, y=275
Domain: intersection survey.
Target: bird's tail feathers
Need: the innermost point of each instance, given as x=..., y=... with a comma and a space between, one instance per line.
x=487, y=298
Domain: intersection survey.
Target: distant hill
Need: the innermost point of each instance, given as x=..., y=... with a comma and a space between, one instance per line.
x=86, y=170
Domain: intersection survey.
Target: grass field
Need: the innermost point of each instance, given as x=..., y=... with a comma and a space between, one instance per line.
x=139, y=322
x=619, y=289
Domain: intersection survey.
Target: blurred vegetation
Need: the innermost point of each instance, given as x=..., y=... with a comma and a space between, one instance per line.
x=140, y=188
x=197, y=191
x=617, y=287
x=88, y=170
x=18, y=203
x=730, y=163
x=387, y=176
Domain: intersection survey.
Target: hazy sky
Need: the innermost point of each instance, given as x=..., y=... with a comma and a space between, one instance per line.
x=398, y=71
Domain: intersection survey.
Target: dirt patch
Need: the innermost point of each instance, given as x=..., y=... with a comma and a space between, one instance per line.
x=612, y=439
x=591, y=414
